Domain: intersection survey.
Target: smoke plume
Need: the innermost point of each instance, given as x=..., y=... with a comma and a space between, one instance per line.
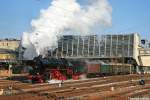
x=64, y=16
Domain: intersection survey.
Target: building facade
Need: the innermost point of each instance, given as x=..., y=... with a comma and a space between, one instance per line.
x=10, y=44
x=105, y=46
x=8, y=50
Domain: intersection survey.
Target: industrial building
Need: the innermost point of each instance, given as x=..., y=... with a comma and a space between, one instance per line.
x=105, y=46
x=10, y=44
x=8, y=54
x=8, y=50
x=116, y=48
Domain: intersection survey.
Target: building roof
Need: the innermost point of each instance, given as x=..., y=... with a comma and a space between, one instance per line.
x=9, y=39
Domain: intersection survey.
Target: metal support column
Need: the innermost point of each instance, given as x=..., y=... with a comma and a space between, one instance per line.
x=83, y=47
x=78, y=47
x=123, y=48
x=117, y=46
x=67, y=49
x=105, y=45
x=94, y=46
x=88, y=45
x=110, y=45
x=99, y=41
x=72, y=46
x=62, y=51
x=129, y=46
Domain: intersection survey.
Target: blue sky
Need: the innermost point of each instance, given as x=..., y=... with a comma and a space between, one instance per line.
x=127, y=16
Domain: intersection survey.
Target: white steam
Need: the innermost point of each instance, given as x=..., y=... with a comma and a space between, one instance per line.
x=67, y=15
x=30, y=50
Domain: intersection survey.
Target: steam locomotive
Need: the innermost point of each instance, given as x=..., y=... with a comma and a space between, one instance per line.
x=51, y=68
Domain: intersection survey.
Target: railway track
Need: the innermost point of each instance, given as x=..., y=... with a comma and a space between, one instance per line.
x=122, y=94
x=44, y=87
x=80, y=92
x=86, y=89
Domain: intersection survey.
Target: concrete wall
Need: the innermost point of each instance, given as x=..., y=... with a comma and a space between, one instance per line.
x=144, y=56
x=136, y=47
x=145, y=60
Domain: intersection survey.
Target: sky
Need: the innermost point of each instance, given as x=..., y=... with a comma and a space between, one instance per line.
x=127, y=16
